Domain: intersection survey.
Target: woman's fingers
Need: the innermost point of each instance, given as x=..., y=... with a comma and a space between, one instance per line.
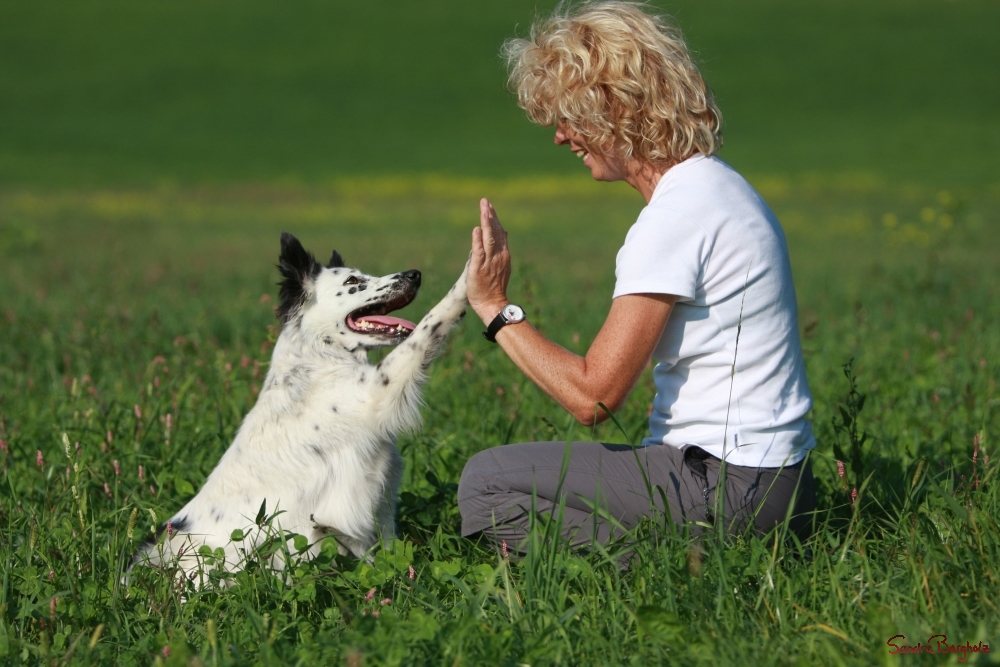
x=489, y=264
x=485, y=226
x=494, y=236
x=478, y=255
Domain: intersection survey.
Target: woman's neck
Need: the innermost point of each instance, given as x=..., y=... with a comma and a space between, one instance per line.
x=644, y=176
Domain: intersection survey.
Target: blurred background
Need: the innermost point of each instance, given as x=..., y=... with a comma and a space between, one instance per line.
x=99, y=92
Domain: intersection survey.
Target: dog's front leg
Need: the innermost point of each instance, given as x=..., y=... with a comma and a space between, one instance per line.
x=400, y=374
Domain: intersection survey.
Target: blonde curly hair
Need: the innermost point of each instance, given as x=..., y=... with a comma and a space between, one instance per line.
x=619, y=76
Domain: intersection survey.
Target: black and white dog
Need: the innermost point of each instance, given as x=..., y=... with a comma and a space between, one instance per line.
x=318, y=445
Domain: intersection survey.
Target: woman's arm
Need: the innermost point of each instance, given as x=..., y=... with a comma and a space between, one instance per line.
x=614, y=361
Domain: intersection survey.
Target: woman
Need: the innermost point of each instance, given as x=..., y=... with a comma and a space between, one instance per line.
x=704, y=286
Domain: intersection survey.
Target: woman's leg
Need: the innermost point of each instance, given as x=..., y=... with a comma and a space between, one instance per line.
x=761, y=497
x=497, y=487
x=496, y=490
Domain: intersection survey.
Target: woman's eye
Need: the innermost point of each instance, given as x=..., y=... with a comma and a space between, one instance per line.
x=353, y=280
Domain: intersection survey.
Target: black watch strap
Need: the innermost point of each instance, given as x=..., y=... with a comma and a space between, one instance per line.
x=509, y=314
x=491, y=331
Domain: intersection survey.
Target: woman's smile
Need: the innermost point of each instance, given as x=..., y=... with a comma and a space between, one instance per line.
x=602, y=166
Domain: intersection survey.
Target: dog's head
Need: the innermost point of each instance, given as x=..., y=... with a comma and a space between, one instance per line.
x=342, y=306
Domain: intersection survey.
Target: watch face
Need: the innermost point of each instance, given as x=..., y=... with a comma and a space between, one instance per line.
x=513, y=313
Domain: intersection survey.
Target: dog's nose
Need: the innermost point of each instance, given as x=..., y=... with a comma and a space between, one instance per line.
x=413, y=276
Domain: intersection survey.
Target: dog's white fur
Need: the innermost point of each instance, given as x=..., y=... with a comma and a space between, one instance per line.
x=318, y=445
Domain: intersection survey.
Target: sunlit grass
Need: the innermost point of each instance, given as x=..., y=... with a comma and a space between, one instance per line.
x=137, y=322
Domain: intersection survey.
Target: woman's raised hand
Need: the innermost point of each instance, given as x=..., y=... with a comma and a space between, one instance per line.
x=489, y=264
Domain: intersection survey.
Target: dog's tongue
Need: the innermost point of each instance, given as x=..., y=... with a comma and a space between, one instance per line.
x=387, y=321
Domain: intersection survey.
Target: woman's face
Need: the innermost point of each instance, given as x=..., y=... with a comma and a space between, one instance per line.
x=604, y=165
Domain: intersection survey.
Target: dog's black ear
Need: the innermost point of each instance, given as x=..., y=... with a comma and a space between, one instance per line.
x=336, y=261
x=298, y=268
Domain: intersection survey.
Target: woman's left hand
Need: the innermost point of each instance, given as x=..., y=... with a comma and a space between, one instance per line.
x=489, y=265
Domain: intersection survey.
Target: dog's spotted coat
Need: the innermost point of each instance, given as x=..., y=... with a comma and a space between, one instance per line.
x=318, y=445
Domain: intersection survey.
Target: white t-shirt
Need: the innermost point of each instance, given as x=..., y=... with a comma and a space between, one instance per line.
x=709, y=238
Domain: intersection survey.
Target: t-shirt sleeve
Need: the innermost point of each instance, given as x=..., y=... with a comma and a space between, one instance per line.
x=663, y=254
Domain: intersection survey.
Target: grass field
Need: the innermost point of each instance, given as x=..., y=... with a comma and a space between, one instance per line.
x=111, y=92
x=149, y=158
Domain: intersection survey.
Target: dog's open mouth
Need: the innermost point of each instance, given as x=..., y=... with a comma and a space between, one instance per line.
x=373, y=319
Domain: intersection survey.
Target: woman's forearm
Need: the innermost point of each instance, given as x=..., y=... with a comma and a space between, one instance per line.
x=611, y=367
x=558, y=372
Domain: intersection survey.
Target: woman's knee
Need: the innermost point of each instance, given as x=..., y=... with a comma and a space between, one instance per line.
x=474, y=499
x=478, y=470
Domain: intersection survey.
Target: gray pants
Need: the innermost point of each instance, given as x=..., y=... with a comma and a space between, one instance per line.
x=499, y=485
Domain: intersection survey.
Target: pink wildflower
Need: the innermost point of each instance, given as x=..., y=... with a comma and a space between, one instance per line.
x=854, y=496
x=166, y=651
x=170, y=530
x=39, y=460
x=3, y=446
x=170, y=421
x=142, y=474
x=79, y=452
x=840, y=469
x=118, y=469
x=375, y=612
x=371, y=594
x=385, y=601
x=138, y=412
x=975, y=449
x=52, y=575
x=503, y=548
x=156, y=382
x=413, y=573
x=109, y=437
x=107, y=490
x=52, y=609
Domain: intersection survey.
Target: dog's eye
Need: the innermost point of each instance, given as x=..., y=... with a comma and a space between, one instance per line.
x=352, y=280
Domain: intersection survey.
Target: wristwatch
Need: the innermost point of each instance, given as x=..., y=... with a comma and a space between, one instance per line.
x=509, y=314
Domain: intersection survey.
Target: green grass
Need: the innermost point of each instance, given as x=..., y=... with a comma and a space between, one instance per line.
x=151, y=154
x=162, y=299
x=107, y=92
